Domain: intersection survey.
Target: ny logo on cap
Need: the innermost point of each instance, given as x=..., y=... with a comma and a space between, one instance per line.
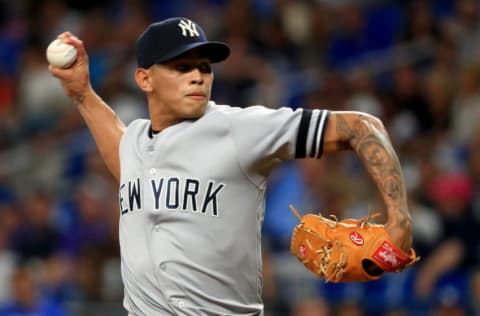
x=187, y=25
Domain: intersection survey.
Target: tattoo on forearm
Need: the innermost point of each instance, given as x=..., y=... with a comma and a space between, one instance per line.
x=78, y=100
x=381, y=164
x=375, y=151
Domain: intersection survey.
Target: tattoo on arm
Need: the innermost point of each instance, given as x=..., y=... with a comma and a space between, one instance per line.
x=374, y=149
x=78, y=100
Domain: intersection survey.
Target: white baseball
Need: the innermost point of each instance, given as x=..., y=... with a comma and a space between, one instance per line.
x=61, y=54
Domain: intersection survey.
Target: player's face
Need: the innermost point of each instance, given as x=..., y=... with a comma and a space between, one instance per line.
x=182, y=87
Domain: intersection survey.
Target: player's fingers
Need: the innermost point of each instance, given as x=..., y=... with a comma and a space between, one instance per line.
x=71, y=39
x=57, y=72
x=68, y=37
x=60, y=73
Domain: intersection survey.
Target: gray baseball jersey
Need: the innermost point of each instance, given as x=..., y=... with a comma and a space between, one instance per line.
x=192, y=202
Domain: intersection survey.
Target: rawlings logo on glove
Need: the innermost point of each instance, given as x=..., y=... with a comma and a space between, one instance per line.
x=350, y=250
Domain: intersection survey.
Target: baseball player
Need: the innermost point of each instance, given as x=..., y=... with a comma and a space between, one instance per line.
x=192, y=178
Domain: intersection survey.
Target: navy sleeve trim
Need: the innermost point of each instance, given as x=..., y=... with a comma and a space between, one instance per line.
x=326, y=115
x=301, y=147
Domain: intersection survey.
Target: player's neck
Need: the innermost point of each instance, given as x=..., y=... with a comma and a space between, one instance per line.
x=161, y=120
x=152, y=132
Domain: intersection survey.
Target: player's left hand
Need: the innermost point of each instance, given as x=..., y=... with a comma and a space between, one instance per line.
x=400, y=230
x=350, y=250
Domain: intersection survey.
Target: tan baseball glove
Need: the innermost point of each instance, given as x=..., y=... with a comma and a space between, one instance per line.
x=350, y=250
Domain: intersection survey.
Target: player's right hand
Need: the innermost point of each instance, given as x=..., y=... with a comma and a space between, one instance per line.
x=75, y=80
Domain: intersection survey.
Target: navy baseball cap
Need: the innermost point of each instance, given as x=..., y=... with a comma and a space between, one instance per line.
x=170, y=38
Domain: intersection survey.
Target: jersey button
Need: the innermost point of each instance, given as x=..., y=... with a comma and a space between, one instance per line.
x=156, y=228
x=162, y=266
x=181, y=304
x=152, y=171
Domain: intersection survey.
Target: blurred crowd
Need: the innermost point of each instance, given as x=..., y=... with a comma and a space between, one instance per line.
x=414, y=64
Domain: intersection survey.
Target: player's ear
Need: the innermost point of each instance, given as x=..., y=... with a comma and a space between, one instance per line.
x=142, y=77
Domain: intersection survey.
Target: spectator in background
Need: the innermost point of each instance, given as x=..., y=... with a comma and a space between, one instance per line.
x=363, y=95
x=447, y=302
x=27, y=300
x=420, y=23
x=35, y=237
x=466, y=110
x=311, y=307
x=473, y=168
x=350, y=309
x=89, y=225
x=412, y=116
x=475, y=291
x=422, y=31
x=454, y=258
x=7, y=262
x=56, y=278
x=349, y=42
x=438, y=91
x=464, y=28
